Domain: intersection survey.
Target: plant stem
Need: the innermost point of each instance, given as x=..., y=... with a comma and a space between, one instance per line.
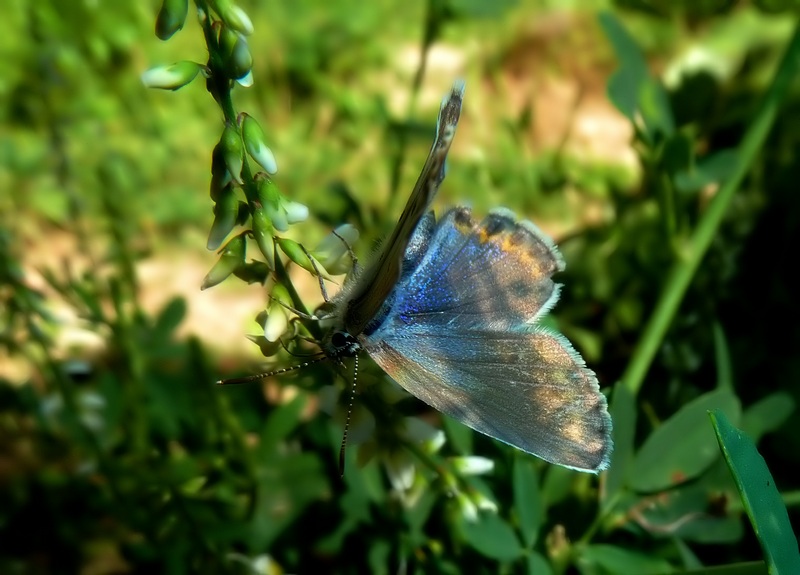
x=684, y=269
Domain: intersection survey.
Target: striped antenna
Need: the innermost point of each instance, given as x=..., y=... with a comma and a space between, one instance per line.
x=256, y=377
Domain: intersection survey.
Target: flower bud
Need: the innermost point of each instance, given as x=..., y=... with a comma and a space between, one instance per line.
x=231, y=257
x=171, y=77
x=280, y=211
x=263, y=234
x=253, y=272
x=232, y=151
x=268, y=348
x=472, y=465
x=220, y=177
x=241, y=59
x=225, y=211
x=255, y=144
x=171, y=18
x=297, y=254
x=468, y=509
x=233, y=16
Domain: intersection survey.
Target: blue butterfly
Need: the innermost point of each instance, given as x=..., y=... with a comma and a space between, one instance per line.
x=449, y=310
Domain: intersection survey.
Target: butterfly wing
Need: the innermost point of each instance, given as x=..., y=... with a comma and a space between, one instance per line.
x=460, y=335
x=366, y=296
x=526, y=388
x=496, y=274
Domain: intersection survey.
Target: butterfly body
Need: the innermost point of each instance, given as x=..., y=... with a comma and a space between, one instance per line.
x=449, y=310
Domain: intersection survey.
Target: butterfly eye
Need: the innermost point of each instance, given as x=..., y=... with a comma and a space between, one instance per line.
x=340, y=339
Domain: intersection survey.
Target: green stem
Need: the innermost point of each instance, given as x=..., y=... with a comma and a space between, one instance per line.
x=684, y=269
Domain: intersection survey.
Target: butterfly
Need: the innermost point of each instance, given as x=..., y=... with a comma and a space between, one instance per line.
x=449, y=309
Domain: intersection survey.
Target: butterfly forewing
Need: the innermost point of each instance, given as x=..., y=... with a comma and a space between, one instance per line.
x=376, y=282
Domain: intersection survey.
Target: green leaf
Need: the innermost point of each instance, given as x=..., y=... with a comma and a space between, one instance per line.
x=767, y=415
x=626, y=49
x=493, y=537
x=170, y=318
x=623, y=415
x=285, y=488
x=762, y=502
x=527, y=500
x=712, y=169
x=459, y=434
x=683, y=447
x=624, y=86
x=280, y=424
x=557, y=485
x=613, y=559
x=695, y=511
x=538, y=565
x=655, y=108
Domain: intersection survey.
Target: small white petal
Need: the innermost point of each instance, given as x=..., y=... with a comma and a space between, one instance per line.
x=263, y=155
x=473, y=465
x=295, y=212
x=246, y=81
x=276, y=324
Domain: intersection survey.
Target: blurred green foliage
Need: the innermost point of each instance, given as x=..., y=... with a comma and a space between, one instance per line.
x=124, y=457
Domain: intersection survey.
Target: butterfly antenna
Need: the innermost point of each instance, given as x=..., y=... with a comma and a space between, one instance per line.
x=258, y=376
x=293, y=354
x=297, y=312
x=349, y=415
x=350, y=251
x=316, y=271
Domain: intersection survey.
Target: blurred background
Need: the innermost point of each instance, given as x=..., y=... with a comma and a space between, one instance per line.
x=611, y=125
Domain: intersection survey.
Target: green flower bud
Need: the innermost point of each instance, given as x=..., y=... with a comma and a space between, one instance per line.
x=220, y=177
x=281, y=211
x=472, y=465
x=468, y=509
x=233, y=16
x=295, y=252
x=263, y=234
x=232, y=151
x=241, y=60
x=255, y=144
x=225, y=212
x=170, y=77
x=231, y=257
x=253, y=272
x=227, y=40
x=171, y=18
x=268, y=348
